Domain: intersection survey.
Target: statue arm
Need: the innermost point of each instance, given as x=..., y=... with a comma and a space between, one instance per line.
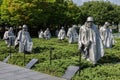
x=19, y=35
x=5, y=37
x=81, y=38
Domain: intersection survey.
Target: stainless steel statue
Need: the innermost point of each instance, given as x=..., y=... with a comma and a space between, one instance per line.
x=90, y=42
x=72, y=34
x=106, y=35
x=24, y=40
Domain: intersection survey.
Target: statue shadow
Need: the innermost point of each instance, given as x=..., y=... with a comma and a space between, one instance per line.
x=109, y=59
x=40, y=49
x=62, y=41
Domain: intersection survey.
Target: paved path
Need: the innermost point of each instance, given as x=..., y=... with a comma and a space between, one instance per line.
x=12, y=72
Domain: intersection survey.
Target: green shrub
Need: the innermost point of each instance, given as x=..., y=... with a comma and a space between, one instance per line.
x=63, y=55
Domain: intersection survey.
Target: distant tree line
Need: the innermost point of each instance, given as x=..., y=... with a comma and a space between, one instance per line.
x=39, y=14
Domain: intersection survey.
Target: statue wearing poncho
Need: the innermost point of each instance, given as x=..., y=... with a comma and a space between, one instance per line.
x=72, y=35
x=9, y=37
x=41, y=34
x=47, y=34
x=24, y=40
x=90, y=42
x=106, y=36
x=61, y=34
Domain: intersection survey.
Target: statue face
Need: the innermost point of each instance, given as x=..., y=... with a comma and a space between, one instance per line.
x=24, y=29
x=47, y=29
x=89, y=23
x=11, y=29
x=106, y=26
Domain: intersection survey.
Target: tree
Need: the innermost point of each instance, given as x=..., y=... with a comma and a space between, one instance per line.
x=18, y=12
x=49, y=13
x=101, y=11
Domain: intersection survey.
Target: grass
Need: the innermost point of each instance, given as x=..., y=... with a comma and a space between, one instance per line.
x=63, y=55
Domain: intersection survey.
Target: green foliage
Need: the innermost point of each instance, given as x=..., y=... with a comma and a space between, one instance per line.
x=101, y=11
x=37, y=12
x=56, y=12
x=63, y=55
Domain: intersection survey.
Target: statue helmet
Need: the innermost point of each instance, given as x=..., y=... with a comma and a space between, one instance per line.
x=107, y=23
x=89, y=19
x=47, y=29
x=74, y=26
x=24, y=26
x=11, y=28
x=62, y=27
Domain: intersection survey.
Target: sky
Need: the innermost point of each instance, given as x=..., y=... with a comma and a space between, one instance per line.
x=80, y=2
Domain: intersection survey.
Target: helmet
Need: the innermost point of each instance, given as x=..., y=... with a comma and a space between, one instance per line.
x=107, y=23
x=11, y=28
x=47, y=29
x=62, y=27
x=73, y=25
x=89, y=19
x=24, y=26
